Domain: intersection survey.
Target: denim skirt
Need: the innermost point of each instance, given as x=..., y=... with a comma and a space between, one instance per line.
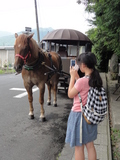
x=89, y=131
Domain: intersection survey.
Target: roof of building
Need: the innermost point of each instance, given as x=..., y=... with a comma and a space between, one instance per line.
x=6, y=47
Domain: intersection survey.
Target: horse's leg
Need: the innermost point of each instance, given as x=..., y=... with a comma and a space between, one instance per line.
x=41, y=100
x=30, y=99
x=55, y=95
x=49, y=94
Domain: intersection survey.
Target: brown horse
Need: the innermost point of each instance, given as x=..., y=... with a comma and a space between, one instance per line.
x=37, y=67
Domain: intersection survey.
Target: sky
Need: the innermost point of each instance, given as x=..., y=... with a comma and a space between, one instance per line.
x=15, y=15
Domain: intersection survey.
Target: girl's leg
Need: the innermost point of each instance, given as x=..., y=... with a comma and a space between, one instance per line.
x=79, y=152
x=91, y=151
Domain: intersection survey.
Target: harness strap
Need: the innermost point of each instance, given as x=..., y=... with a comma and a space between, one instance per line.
x=37, y=63
x=50, y=57
x=52, y=68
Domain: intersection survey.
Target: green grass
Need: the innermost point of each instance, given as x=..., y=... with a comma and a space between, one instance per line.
x=115, y=140
x=7, y=71
x=58, y=156
x=1, y=71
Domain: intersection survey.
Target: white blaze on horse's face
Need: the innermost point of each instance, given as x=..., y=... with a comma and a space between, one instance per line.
x=19, y=45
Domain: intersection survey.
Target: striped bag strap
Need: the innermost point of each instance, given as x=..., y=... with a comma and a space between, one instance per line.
x=81, y=118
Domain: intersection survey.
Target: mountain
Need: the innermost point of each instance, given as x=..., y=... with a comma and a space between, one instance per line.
x=42, y=31
x=9, y=39
x=4, y=33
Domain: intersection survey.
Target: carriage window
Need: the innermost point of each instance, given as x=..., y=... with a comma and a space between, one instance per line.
x=63, y=51
x=52, y=47
x=72, y=50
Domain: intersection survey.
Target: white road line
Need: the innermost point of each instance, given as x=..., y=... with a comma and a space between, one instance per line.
x=22, y=94
x=17, y=89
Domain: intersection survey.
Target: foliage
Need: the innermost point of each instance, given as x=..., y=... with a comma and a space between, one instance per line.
x=1, y=71
x=115, y=140
x=105, y=33
x=5, y=63
x=6, y=71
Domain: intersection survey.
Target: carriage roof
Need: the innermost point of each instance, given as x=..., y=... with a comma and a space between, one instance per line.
x=68, y=37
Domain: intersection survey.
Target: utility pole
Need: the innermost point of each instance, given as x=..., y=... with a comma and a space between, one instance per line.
x=37, y=24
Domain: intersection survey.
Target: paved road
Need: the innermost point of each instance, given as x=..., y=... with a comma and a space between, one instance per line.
x=24, y=139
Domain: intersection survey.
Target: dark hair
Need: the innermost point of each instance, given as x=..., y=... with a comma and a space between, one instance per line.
x=90, y=61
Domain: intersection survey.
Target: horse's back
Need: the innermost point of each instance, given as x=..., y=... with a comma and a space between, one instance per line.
x=56, y=59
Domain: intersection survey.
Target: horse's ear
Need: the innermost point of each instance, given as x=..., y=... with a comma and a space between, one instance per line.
x=30, y=36
x=16, y=35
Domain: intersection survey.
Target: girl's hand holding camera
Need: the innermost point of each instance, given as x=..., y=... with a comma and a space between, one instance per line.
x=74, y=73
x=74, y=69
x=74, y=76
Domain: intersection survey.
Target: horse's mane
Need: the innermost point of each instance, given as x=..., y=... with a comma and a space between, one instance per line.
x=36, y=49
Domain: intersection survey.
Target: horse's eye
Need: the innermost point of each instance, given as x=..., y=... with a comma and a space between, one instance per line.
x=26, y=48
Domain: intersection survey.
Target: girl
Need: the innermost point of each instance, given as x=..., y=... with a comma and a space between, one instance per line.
x=86, y=62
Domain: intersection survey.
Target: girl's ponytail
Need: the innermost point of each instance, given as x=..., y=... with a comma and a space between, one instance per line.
x=95, y=79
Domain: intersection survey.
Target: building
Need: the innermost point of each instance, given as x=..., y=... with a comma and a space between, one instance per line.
x=6, y=56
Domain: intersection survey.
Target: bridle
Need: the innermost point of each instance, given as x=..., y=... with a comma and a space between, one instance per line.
x=24, y=58
x=27, y=56
x=33, y=65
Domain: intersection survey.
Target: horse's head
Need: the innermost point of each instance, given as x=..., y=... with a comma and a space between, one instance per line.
x=22, y=51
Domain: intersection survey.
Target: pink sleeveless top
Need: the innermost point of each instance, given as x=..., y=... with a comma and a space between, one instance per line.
x=83, y=87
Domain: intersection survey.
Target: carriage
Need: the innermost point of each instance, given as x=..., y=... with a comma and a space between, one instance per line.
x=68, y=43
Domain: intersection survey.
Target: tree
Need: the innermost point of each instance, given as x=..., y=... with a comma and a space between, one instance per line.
x=105, y=33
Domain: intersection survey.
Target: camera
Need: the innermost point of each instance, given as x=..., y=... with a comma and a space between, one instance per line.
x=72, y=62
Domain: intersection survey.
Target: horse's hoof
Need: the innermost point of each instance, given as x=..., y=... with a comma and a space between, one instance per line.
x=55, y=105
x=31, y=116
x=42, y=119
x=48, y=103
